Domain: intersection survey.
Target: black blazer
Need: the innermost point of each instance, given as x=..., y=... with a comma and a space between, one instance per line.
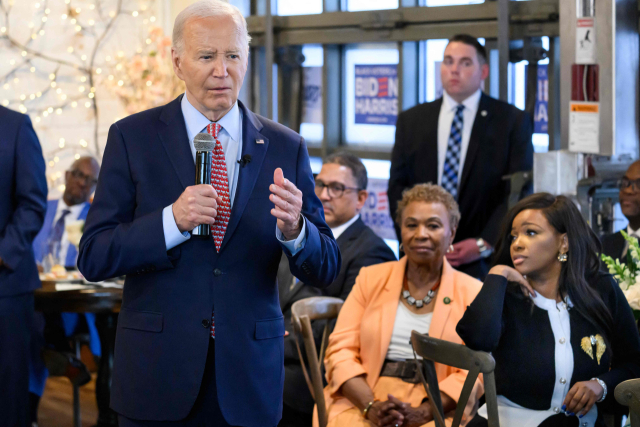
x=613, y=245
x=500, y=144
x=23, y=202
x=502, y=321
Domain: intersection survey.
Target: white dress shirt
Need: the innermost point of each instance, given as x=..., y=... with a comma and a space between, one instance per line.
x=514, y=415
x=230, y=138
x=341, y=228
x=74, y=213
x=445, y=119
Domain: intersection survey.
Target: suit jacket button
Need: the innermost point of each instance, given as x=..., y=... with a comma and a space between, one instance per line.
x=217, y=272
x=205, y=323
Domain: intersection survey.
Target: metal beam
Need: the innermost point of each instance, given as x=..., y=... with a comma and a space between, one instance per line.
x=503, y=49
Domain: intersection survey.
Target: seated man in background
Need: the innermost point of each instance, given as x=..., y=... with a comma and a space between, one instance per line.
x=614, y=245
x=52, y=331
x=341, y=187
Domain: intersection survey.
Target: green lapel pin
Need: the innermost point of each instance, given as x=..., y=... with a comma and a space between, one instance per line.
x=447, y=300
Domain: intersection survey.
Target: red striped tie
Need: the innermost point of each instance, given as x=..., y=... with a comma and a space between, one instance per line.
x=220, y=182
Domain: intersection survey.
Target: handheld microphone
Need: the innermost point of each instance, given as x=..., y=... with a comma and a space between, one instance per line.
x=245, y=160
x=204, y=145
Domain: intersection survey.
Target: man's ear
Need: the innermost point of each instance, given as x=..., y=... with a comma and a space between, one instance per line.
x=362, y=198
x=176, y=62
x=485, y=70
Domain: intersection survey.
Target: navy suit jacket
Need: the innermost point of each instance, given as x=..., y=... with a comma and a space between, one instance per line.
x=23, y=199
x=41, y=240
x=163, y=334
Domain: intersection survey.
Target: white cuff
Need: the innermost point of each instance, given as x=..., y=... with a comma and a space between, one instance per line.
x=172, y=236
x=294, y=246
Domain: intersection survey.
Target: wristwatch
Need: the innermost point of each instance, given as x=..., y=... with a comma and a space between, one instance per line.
x=484, y=250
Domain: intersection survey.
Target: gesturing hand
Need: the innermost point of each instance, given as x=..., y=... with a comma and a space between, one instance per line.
x=512, y=275
x=581, y=397
x=196, y=205
x=288, y=204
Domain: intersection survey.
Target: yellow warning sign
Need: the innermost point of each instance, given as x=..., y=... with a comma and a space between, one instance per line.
x=584, y=108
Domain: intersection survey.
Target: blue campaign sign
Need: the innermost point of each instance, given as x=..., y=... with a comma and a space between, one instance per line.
x=375, y=212
x=376, y=94
x=541, y=113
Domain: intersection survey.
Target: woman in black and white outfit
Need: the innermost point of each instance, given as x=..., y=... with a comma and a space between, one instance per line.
x=561, y=332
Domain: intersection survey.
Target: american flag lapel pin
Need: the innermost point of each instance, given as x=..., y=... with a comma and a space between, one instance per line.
x=259, y=141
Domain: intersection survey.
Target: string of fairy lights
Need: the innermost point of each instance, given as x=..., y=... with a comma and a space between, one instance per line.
x=57, y=60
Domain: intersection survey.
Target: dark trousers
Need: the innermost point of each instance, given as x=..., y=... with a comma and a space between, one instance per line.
x=16, y=317
x=205, y=412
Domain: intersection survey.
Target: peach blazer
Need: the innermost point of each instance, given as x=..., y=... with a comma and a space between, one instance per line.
x=359, y=342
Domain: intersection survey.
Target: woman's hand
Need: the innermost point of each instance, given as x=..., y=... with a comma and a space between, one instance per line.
x=512, y=275
x=581, y=398
x=385, y=414
x=405, y=415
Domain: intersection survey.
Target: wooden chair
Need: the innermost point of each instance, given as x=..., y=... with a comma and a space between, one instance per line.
x=627, y=393
x=302, y=313
x=459, y=356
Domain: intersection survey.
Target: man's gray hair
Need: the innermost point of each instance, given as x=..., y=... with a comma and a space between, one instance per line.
x=206, y=9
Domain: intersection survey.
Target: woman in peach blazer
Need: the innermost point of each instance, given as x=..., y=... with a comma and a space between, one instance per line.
x=370, y=345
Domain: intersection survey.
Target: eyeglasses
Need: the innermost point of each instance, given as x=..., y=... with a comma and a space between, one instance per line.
x=79, y=175
x=334, y=189
x=625, y=183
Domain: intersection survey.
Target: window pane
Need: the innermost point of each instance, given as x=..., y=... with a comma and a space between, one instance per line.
x=356, y=5
x=311, y=127
x=451, y=2
x=383, y=54
x=298, y=7
x=435, y=55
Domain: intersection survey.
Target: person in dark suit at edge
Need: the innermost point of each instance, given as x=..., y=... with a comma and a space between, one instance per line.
x=615, y=245
x=466, y=142
x=199, y=340
x=341, y=186
x=23, y=202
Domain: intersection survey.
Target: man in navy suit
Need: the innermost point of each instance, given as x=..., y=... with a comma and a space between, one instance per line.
x=23, y=198
x=200, y=333
x=80, y=183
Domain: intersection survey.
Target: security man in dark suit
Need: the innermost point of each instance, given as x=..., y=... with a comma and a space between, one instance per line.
x=466, y=142
x=341, y=187
x=23, y=202
x=615, y=245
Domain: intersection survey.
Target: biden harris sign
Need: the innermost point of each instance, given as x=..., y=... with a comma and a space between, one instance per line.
x=376, y=94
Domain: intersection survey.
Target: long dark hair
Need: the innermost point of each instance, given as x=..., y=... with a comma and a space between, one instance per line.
x=582, y=263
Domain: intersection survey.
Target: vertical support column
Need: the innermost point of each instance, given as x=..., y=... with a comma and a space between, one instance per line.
x=331, y=90
x=268, y=46
x=331, y=98
x=503, y=49
x=554, y=94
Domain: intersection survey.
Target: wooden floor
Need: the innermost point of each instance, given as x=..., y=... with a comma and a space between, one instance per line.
x=56, y=405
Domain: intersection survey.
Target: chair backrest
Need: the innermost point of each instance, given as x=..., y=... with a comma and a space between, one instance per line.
x=627, y=393
x=459, y=356
x=302, y=313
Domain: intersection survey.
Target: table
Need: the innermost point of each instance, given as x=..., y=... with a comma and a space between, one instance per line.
x=105, y=303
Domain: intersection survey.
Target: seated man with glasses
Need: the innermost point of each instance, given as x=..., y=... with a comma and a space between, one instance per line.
x=614, y=245
x=341, y=187
x=53, y=245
